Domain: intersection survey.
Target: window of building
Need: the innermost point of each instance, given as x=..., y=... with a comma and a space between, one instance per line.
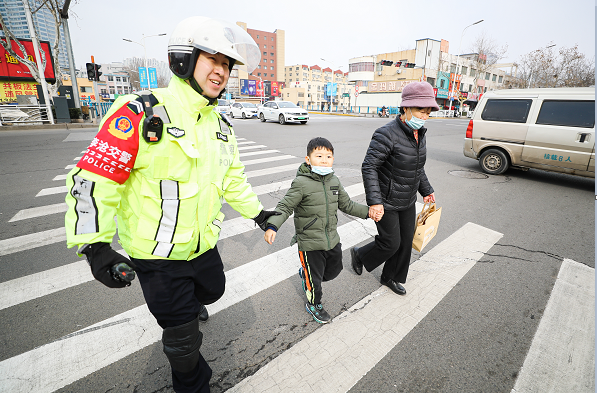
x=264, y=37
x=291, y=79
x=567, y=113
x=363, y=66
x=265, y=60
x=117, y=79
x=452, y=68
x=259, y=74
x=272, y=60
x=464, y=70
x=272, y=38
x=264, y=53
x=264, y=46
x=431, y=81
x=111, y=90
x=110, y=78
x=86, y=89
x=500, y=79
x=470, y=87
x=301, y=94
x=487, y=74
x=257, y=36
x=473, y=72
x=271, y=54
x=493, y=78
x=272, y=68
x=272, y=47
x=104, y=91
x=259, y=66
x=272, y=75
x=485, y=90
x=442, y=84
x=511, y=111
x=287, y=95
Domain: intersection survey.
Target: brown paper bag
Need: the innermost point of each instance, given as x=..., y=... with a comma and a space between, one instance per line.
x=427, y=224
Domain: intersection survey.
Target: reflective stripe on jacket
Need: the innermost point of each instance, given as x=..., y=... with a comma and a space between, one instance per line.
x=168, y=204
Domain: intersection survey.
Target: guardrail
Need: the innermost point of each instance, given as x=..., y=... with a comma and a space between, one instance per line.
x=23, y=114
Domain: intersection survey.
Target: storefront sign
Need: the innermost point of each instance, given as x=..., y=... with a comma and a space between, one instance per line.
x=387, y=86
x=12, y=69
x=10, y=90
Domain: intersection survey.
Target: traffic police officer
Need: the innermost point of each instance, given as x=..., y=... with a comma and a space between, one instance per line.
x=162, y=162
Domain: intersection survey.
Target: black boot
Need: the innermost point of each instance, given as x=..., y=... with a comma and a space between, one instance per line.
x=203, y=314
x=357, y=265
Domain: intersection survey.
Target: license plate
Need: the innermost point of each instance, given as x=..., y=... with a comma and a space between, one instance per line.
x=301, y=118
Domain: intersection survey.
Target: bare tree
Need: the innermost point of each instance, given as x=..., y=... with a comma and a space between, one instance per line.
x=55, y=8
x=487, y=53
x=566, y=68
x=132, y=65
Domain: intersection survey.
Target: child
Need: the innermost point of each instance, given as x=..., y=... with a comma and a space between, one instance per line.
x=315, y=196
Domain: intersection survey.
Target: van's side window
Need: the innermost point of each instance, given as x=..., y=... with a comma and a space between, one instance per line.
x=512, y=111
x=567, y=113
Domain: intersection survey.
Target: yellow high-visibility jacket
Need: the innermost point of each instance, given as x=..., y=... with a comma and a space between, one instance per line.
x=168, y=194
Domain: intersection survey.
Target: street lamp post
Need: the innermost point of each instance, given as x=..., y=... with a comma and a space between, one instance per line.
x=144, y=54
x=457, y=61
x=333, y=66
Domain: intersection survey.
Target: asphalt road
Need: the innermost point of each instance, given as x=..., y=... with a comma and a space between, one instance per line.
x=475, y=339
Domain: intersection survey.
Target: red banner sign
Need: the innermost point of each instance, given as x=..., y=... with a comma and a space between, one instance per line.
x=13, y=70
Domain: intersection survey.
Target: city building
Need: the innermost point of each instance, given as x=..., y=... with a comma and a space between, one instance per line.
x=306, y=87
x=266, y=79
x=381, y=78
x=13, y=13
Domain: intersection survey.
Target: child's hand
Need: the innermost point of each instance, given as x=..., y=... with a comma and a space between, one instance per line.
x=270, y=236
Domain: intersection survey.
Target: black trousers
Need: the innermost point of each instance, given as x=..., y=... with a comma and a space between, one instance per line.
x=392, y=244
x=174, y=292
x=320, y=266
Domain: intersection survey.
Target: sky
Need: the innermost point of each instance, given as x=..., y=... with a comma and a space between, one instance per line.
x=337, y=30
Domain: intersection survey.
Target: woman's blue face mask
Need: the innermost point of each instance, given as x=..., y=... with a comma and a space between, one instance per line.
x=415, y=123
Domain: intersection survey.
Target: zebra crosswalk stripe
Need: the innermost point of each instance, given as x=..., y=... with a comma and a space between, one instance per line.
x=338, y=355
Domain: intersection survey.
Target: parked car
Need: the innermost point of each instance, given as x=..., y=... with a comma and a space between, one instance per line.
x=223, y=106
x=549, y=129
x=282, y=111
x=243, y=109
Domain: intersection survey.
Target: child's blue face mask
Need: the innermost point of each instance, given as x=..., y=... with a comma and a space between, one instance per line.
x=322, y=170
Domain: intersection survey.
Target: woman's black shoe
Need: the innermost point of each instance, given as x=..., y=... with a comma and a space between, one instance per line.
x=203, y=314
x=394, y=286
x=357, y=265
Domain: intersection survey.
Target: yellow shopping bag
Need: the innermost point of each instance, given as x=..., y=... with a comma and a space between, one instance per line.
x=427, y=224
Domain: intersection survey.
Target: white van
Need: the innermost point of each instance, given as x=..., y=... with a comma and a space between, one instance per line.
x=549, y=129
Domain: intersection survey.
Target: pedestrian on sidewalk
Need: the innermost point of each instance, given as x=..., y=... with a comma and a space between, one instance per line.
x=393, y=171
x=315, y=197
x=162, y=162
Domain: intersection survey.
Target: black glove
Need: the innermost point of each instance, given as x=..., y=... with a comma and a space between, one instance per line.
x=263, y=216
x=101, y=257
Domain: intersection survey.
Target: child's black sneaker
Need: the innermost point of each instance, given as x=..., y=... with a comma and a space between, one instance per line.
x=302, y=276
x=318, y=313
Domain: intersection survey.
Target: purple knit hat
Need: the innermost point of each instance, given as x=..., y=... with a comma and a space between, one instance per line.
x=420, y=95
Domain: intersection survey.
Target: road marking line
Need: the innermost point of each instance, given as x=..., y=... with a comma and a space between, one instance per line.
x=52, y=191
x=338, y=355
x=244, y=143
x=33, y=240
x=562, y=354
x=267, y=159
x=60, y=177
x=269, y=171
x=254, y=153
x=66, y=360
x=39, y=211
x=70, y=166
x=36, y=285
x=251, y=147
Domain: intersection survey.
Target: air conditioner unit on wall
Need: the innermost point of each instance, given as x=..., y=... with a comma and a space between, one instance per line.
x=398, y=71
x=379, y=73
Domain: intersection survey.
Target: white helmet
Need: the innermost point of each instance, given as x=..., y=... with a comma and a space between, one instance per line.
x=212, y=36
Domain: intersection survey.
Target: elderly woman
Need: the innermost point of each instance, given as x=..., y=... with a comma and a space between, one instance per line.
x=393, y=171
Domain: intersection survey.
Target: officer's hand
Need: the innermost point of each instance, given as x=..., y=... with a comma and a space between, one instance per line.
x=101, y=258
x=270, y=236
x=262, y=217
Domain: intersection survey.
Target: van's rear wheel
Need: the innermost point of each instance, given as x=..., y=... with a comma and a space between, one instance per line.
x=494, y=162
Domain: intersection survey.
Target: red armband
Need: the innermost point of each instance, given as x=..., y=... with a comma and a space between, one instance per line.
x=113, y=151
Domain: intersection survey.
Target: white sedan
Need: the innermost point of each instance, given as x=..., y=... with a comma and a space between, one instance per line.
x=243, y=109
x=282, y=111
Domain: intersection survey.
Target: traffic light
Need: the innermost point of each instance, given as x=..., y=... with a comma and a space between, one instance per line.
x=97, y=72
x=386, y=62
x=410, y=65
x=398, y=63
x=90, y=71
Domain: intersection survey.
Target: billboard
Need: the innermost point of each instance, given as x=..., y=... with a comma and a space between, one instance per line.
x=12, y=69
x=244, y=87
x=10, y=90
x=252, y=87
x=275, y=91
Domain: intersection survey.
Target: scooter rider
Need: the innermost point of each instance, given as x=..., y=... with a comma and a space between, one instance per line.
x=162, y=162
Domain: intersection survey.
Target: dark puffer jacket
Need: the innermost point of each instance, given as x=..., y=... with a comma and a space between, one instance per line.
x=393, y=168
x=315, y=201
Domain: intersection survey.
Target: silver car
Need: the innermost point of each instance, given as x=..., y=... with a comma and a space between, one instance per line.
x=243, y=109
x=282, y=111
x=223, y=106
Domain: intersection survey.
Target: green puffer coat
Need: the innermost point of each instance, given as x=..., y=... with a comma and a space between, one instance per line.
x=315, y=200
